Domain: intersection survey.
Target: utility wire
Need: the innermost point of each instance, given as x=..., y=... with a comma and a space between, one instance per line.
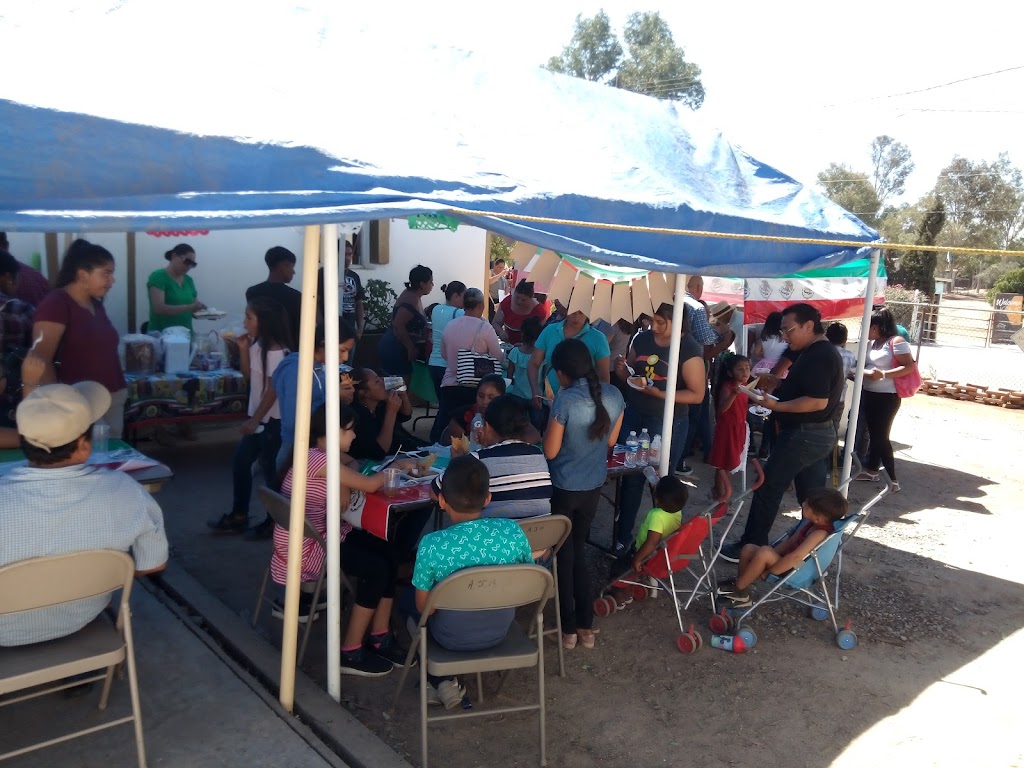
x=929, y=88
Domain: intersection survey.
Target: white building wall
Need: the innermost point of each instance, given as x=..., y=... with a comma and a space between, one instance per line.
x=232, y=260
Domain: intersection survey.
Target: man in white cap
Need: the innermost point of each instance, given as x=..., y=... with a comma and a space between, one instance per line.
x=59, y=504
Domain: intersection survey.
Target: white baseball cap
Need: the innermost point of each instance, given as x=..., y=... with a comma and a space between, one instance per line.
x=56, y=414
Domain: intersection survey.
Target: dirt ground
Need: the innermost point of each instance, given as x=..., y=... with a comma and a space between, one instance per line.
x=932, y=586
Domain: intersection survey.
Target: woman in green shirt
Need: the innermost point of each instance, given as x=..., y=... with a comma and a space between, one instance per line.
x=172, y=294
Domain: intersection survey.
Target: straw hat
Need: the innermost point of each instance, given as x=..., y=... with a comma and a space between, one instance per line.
x=719, y=310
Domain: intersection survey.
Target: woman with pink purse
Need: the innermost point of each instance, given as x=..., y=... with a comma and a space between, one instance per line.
x=889, y=376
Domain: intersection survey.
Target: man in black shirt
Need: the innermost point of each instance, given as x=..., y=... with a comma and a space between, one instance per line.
x=807, y=403
x=281, y=263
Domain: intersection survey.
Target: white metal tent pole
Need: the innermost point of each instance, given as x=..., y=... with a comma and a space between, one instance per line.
x=678, y=308
x=858, y=379
x=329, y=244
x=296, y=525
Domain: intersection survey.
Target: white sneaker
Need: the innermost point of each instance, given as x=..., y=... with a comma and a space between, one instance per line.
x=448, y=692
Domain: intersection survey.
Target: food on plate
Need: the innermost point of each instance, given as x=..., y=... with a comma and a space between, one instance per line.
x=638, y=382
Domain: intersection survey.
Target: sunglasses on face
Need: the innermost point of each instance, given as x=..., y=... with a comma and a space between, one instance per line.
x=190, y=263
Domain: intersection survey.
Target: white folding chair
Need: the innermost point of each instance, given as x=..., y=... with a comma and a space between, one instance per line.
x=550, y=532
x=100, y=646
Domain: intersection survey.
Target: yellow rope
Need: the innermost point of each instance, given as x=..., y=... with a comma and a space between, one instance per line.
x=739, y=236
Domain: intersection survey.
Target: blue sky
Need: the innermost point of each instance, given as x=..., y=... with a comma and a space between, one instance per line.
x=800, y=84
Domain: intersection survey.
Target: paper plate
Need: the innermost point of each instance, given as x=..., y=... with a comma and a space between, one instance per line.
x=634, y=382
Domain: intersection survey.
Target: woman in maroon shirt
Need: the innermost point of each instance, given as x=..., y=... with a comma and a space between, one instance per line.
x=76, y=340
x=508, y=320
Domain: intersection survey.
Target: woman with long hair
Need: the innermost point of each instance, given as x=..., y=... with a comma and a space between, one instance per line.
x=585, y=420
x=76, y=340
x=889, y=357
x=405, y=339
x=648, y=357
x=172, y=293
x=263, y=346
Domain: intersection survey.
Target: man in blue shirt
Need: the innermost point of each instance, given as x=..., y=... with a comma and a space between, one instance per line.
x=575, y=326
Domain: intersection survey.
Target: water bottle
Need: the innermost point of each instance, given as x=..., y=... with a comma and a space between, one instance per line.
x=654, y=455
x=632, y=448
x=732, y=643
x=394, y=383
x=645, y=447
x=477, y=430
x=651, y=474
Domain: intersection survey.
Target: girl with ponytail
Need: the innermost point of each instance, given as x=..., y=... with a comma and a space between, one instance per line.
x=585, y=420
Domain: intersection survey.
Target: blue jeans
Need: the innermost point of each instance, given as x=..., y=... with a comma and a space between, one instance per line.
x=798, y=457
x=264, y=447
x=699, y=427
x=632, y=490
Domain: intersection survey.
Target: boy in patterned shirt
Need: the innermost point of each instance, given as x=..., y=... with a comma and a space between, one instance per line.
x=470, y=541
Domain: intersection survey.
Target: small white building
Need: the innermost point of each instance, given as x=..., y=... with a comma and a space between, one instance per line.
x=232, y=260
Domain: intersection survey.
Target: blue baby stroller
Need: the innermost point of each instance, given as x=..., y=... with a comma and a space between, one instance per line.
x=806, y=584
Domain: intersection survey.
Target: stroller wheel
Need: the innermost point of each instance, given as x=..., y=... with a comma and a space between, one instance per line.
x=601, y=607
x=720, y=623
x=696, y=636
x=846, y=639
x=749, y=636
x=686, y=643
x=639, y=593
x=819, y=614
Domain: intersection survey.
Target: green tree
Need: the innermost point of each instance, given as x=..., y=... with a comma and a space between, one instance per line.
x=852, y=190
x=1011, y=282
x=985, y=205
x=917, y=268
x=654, y=66
x=891, y=165
x=594, y=53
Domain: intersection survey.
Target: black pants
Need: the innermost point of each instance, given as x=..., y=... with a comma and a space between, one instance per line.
x=799, y=458
x=373, y=562
x=575, y=595
x=878, y=411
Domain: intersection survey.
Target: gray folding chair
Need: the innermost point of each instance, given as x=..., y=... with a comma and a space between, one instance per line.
x=279, y=509
x=550, y=532
x=478, y=589
x=100, y=646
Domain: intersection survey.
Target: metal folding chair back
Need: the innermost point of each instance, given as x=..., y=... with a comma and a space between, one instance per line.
x=101, y=645
x=550, y=532
x=279, y=509
x=483, y=588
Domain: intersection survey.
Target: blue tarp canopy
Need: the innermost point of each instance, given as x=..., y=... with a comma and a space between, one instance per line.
x=194, y=115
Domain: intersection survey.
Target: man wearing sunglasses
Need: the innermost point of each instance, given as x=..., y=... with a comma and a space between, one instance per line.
x=807, y=401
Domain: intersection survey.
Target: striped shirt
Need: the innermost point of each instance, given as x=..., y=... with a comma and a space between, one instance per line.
x=316, y=512
x=57, y=511
x=520, y=481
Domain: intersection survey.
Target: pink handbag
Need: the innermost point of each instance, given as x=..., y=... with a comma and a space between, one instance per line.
x=906, y=386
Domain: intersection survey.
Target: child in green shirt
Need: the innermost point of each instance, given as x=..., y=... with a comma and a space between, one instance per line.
x=670, y=496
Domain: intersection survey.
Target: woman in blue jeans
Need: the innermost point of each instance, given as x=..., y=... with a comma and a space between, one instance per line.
x=648, y=357
x=585, y=421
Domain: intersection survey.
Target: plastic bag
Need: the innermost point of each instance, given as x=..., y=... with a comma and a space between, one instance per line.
x=232, y=354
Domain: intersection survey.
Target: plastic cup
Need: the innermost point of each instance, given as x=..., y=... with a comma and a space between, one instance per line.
x=393, y=482
x=100, y=438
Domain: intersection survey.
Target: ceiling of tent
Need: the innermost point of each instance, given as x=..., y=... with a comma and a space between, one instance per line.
x=285, y=117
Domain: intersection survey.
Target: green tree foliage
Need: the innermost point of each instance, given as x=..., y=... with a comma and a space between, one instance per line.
x=852, y=190
x=891, y=165
x=654, y=65
x=1011, y=282
x=380, y=300
x=985, y=208
x=917, y=268
x=594, y=53
x=500, y=248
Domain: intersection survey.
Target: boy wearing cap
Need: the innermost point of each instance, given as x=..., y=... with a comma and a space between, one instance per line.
x=59, y=504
